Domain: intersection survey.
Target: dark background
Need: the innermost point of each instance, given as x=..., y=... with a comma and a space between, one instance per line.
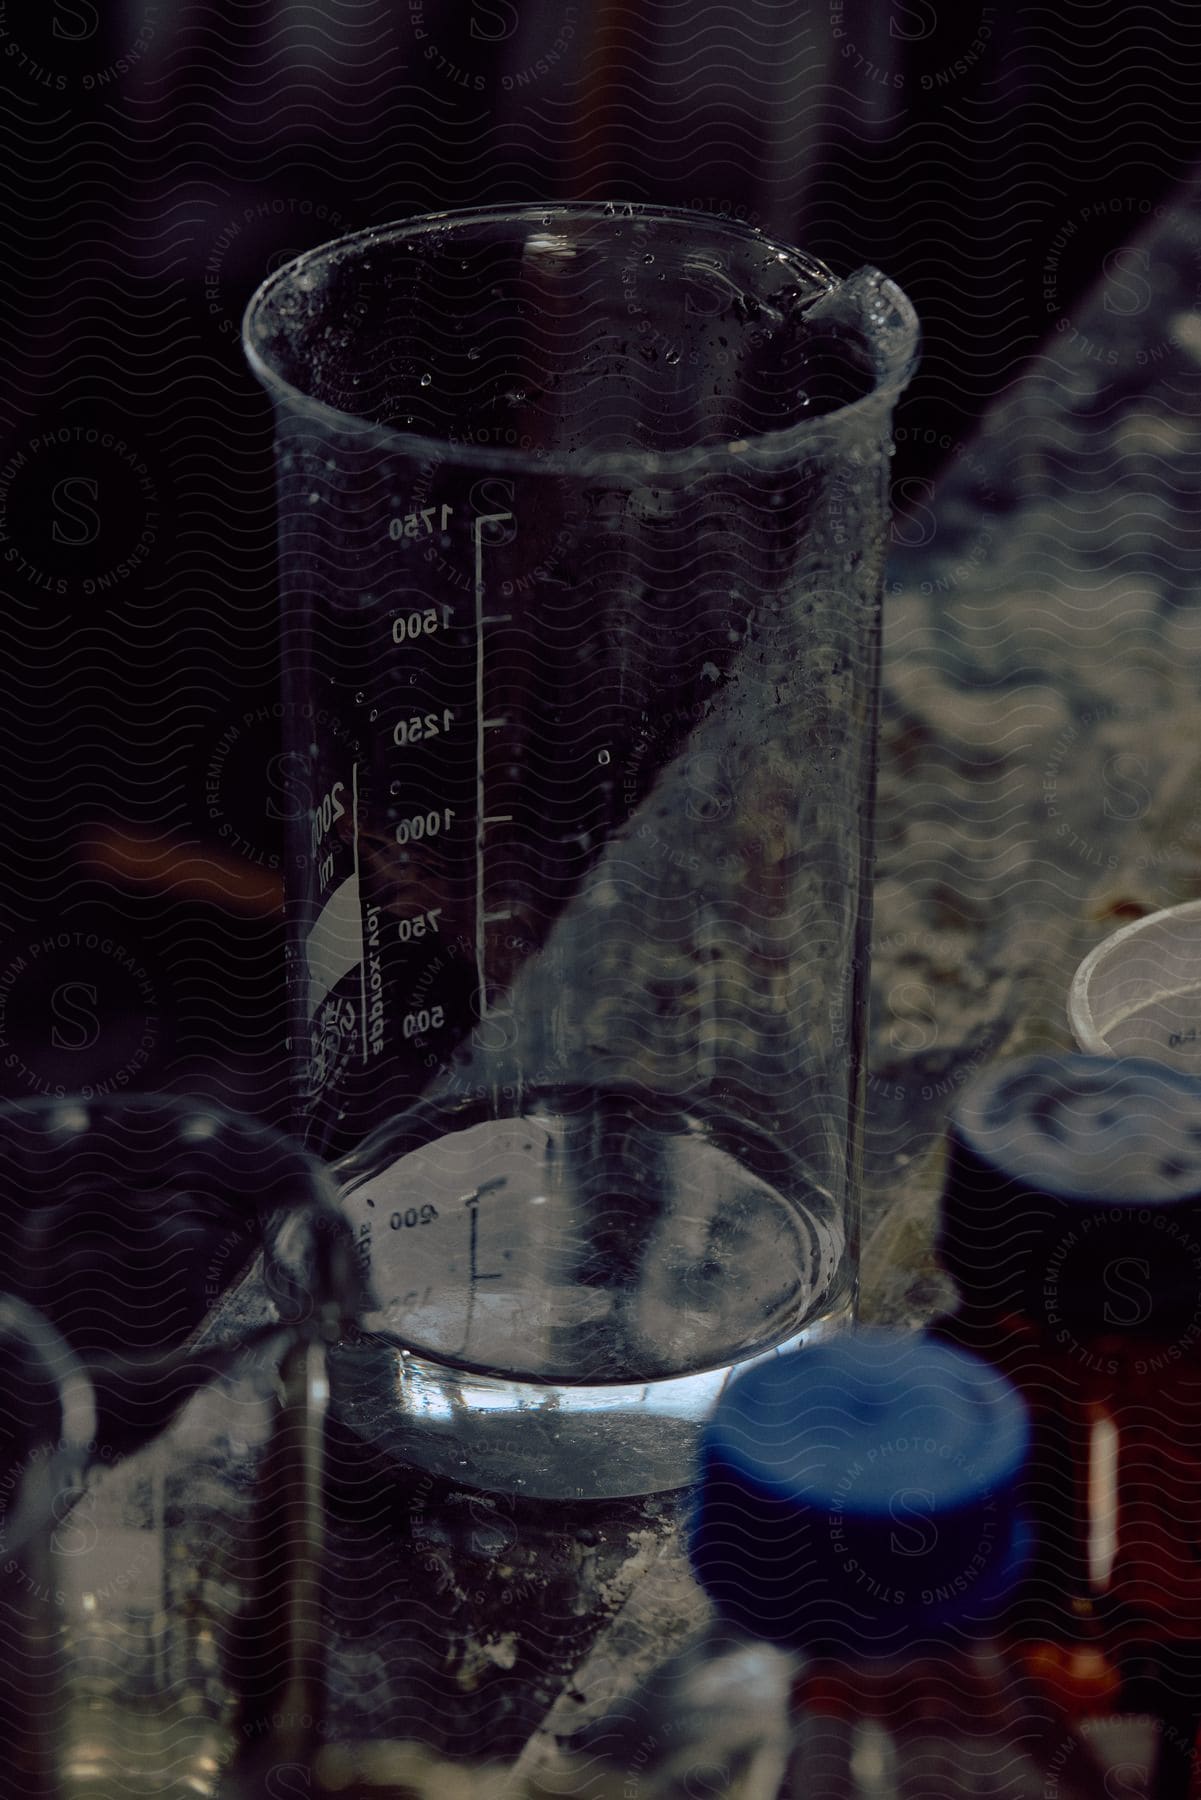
x=161, y=158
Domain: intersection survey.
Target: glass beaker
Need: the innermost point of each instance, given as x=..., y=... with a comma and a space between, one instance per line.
x=131, y=1221
x=583, y=518
x=47, y=1422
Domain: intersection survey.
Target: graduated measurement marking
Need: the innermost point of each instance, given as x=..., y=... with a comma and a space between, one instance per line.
x=419, y=524
x=419, y=728
x=474, y=1274
x=418, y=925
x=425, y=825
x=423, y=622
x=472, y=1203
x=481, y=725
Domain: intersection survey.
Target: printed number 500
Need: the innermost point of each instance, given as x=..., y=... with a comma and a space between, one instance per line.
x=428, y=1019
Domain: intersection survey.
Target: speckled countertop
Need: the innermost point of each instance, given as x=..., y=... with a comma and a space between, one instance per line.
x=1040, y=777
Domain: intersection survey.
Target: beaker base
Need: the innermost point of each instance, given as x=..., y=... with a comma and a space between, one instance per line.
x=565, y=1291
x=560, y=1442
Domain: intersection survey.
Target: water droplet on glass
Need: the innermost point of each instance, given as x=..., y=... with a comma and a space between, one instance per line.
x=671, y=356
x=394, y=789
x=473, y=355
x=359, y=698
x=373, y=715
x=426, y=380
x=648, y=258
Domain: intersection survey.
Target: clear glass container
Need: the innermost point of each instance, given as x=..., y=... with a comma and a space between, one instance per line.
x=583, y=518
x=47, y=1437
x=192, y=1260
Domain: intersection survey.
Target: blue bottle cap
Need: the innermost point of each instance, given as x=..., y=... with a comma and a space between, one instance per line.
x=1073, y=1194
x=862, y=1493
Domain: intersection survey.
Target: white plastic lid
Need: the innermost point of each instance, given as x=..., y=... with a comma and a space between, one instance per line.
x=1138, y=993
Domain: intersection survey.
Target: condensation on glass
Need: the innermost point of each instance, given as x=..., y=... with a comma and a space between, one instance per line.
x=582, y=516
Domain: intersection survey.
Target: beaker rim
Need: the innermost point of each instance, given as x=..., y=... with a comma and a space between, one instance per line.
x=893, y=332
